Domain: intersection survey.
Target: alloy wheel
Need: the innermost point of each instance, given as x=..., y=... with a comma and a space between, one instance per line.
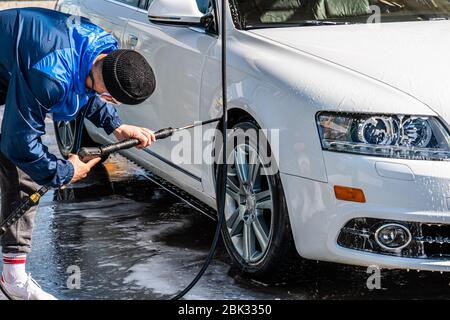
x=249, y=204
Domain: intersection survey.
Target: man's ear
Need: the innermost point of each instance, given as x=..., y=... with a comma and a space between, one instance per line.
x=109, y=99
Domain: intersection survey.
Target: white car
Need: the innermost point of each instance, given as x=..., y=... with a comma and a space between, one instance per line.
x=361, y=109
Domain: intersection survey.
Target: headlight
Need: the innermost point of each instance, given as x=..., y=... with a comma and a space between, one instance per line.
x=404, y=137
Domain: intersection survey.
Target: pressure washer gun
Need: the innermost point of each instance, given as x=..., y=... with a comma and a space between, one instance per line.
x=87, y=154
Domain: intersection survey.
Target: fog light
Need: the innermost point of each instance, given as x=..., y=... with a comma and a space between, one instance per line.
x=393, y=237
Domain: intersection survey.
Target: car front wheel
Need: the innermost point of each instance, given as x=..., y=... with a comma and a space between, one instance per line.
x=257, y=231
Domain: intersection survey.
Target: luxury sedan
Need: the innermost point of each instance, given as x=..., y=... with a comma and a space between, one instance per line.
x=353, y=99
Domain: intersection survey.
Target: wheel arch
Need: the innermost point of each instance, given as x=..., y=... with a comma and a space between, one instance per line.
x=236, y=115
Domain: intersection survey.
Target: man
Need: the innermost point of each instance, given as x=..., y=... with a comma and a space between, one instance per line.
x=53, y=64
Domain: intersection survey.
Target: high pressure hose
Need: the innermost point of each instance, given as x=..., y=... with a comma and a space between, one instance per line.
x=222, y=174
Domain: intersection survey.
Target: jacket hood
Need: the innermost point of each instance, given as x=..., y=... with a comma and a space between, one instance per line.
x=71, y=66
x=88, y=42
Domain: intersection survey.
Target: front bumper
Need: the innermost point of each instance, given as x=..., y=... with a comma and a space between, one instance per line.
x=406, y=191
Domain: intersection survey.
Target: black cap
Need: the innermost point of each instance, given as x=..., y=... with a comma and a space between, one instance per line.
x=128, y=77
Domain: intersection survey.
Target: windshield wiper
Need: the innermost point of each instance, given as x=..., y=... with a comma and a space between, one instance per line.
x=323, y=23
x=438, y=18
x=306, y=23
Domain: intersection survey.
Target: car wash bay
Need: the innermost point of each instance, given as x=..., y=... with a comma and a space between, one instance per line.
x=130, y=239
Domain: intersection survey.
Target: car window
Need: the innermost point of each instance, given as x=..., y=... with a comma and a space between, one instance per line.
x=134, y=3
x=144, y=4
x=203, y=5
x=273, y=13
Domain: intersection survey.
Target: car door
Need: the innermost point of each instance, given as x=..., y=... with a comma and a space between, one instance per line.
x=177, y=55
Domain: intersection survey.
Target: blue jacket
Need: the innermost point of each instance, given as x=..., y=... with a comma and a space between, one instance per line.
x=45, y=58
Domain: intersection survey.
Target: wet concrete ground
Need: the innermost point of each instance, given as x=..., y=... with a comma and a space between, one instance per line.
x=132, y=240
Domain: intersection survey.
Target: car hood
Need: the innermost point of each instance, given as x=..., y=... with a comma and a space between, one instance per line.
x=410, y=56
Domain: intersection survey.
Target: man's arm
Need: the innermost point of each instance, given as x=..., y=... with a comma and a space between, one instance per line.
x=103, y=115
x=22, y=128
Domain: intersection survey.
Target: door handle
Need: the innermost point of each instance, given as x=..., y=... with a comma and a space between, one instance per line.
x=132, y=41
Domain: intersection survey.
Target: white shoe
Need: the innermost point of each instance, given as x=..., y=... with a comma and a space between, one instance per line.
x=29, y=290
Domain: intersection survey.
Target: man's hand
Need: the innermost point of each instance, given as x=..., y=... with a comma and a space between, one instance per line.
x=81, y=169
x=144, y=135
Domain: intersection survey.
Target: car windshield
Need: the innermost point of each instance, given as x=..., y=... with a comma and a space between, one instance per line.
x=248, y=14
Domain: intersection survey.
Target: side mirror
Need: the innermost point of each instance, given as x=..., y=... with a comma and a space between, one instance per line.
x=175, y=12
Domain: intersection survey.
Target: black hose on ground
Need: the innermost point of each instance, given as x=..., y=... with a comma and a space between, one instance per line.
x=222, y=168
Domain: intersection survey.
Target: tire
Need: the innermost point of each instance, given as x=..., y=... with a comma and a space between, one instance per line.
x=66, y=133
x=256, y=212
